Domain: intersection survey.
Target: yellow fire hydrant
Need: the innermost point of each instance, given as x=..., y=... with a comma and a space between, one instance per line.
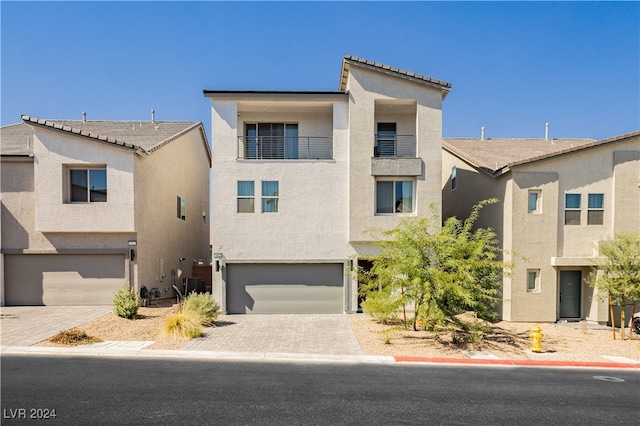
x=536, y=337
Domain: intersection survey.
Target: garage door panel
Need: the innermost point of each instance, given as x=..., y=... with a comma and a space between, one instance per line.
x=287, y=288
x=63, y=279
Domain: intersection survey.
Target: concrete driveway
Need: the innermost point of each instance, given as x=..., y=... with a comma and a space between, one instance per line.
x=26, y=325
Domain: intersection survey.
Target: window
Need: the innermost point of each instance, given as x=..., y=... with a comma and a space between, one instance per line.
x=270, y=195
x=394, y=196
x=88, y=185
x=454, y=172
x=182, y=208
x=533, y=280
x=271, y=141
x=595, y=212
x=245, y=196
x=534, y=201
x=572, y=209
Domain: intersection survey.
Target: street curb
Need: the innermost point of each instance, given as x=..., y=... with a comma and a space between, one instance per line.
x=278, y=356
x=517, y=362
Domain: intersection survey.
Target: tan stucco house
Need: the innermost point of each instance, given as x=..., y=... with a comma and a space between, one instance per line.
x=90, y=205
x=558, y=199
x=300, y=176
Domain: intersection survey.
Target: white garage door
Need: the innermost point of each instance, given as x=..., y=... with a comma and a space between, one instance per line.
x=63, y=279
x=285, y=288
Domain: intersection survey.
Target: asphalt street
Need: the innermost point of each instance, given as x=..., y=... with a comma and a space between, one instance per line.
x=98, y=390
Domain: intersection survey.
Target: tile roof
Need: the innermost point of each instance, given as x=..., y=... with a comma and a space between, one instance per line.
x=376, y=66
x=141, y=136
x=496, y=156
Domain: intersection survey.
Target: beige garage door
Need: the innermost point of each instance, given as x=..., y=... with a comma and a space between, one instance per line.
x=285, y=288
x=62, y=279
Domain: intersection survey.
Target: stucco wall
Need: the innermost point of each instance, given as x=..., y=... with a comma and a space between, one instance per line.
x=311, y=218
x=365, y=88
x=53, y=213
x=179, y=168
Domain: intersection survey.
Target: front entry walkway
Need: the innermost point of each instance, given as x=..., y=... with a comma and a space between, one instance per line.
x=329, y=334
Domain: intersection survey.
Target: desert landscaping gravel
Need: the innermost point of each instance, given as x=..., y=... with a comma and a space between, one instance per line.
x=508, y=340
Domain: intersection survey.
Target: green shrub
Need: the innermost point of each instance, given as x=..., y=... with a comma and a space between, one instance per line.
x=186, y=324
x=203, y=305
x=126, y=302
x=381, y=306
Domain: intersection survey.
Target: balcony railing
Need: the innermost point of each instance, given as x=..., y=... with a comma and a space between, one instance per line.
x=285, y=148
x=395, y=146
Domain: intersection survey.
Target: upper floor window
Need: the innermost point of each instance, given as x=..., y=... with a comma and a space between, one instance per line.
x=246, y=196
x=572, y=209
x=595, y=212
x=454, y=173
x=394, y=196
x=181, y=208
x=272, y=141
x=88, y=185
x=270, y=194
x=535, y=201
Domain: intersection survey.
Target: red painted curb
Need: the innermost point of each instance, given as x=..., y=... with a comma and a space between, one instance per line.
x=518, y=362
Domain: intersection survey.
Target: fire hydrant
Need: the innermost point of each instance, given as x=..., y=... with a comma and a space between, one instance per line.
x=536, y=336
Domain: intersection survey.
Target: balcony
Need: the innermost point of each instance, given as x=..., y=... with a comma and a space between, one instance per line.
x=395, y=146
x=285, y=148
x=395, y=155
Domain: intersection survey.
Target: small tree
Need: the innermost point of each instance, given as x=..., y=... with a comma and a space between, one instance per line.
x=620, y=280
x=442, y=270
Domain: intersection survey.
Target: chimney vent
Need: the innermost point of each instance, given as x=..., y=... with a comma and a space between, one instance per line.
x=546, y=131
x=153, y=116
x=482, y=137
x=84, y=117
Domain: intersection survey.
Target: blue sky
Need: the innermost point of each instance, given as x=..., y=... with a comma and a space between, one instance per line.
x=514, y=65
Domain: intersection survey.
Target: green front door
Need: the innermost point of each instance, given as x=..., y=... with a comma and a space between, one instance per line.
x=570, y=290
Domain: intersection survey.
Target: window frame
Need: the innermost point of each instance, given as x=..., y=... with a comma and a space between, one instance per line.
x=572, y=209
x=87, y=169
x=265, y=199
x=246, y=197
x=454, y=177
x=536, y=280
x=538, y=203
x=394, y=202
x=591, y=209
x=181, y=208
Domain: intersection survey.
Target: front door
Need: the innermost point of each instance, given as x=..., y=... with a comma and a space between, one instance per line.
x=570, y=286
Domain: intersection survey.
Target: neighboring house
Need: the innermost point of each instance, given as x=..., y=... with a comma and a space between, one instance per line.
x=558, y=199
x=90, y=205
x=300, y=176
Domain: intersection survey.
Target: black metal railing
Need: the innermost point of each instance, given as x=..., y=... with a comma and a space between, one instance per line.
x=395, y=146
x=285, y=148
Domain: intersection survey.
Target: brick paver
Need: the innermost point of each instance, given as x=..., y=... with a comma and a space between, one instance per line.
x=282, y=333
x=26, y=325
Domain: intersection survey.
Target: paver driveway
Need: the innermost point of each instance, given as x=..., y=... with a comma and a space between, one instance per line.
x=329, y=334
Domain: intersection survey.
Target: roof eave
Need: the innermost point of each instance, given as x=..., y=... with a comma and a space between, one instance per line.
x=272, y=94
x=50, y=125
x=349, y=60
